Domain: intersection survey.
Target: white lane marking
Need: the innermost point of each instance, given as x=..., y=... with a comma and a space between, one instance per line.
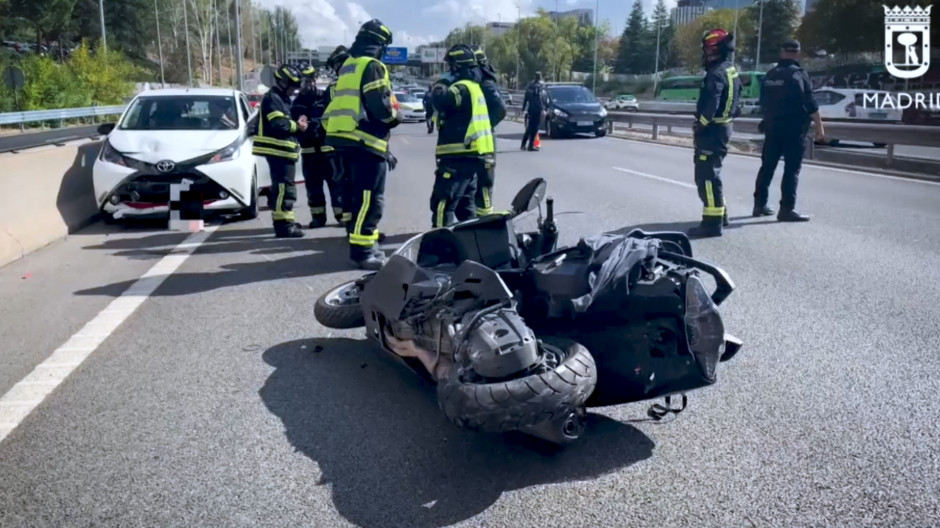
x=654, y=177
x=32, y=390
x=812, y=165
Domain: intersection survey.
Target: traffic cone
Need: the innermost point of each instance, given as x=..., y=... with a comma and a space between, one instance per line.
x=538, y=142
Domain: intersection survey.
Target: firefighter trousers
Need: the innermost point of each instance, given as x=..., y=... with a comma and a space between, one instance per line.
x=711, y=147
x=318, y=170
x=486, y=180
x=365, y=175
x=283, y=189
x=455, y=185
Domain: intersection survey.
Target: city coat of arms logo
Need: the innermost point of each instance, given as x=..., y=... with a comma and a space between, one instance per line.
x=907, y=41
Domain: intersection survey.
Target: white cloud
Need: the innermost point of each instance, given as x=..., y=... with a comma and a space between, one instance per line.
x=460, y=12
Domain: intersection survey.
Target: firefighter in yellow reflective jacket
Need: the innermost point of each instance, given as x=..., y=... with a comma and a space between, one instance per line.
x=359, y=122
x=465, y=140
x=276, y=142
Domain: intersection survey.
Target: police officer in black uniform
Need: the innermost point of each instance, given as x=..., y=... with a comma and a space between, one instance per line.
x=787, y=104
x=486, y=181
x=533, y=106
x=276, y=141
x=428, y=111
x=719, y=103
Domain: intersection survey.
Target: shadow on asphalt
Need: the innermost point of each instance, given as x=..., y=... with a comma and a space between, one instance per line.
x=737, y=222
x=389, y=455
x=316, y=256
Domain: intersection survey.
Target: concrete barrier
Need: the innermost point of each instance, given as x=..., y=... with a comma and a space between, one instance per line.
x=45, y=194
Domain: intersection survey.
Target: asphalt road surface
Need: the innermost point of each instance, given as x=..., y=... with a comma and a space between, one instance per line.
x=219, y=401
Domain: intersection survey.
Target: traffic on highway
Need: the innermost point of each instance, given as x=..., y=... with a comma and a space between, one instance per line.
x=376, y=283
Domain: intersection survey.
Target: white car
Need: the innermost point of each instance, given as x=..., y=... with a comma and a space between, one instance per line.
x=849, y=103
x=411, y=108
x=623, y=102
x=164, y=136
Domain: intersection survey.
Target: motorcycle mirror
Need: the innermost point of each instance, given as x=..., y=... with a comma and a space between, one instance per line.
x=529, y=197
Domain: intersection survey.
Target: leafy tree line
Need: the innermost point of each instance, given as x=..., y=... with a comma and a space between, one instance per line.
x=131, y=29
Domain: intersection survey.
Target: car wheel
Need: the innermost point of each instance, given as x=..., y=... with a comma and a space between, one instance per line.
x=553, y=131
x=251, y=212
x=600, y=133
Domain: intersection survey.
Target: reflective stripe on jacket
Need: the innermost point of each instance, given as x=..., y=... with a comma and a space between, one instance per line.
x=476, y=134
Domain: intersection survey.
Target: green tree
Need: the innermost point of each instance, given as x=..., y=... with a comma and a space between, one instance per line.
x=634, y=43
x=50, y=18
x=667, y=34
x=687, y=45
x=780, y=20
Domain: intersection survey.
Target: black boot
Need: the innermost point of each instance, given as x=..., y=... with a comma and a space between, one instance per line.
x=372, y=261
x=318, y=221
x=789, y=215
x=284, y=229
x=724, y=220
x=710, y=227
x=762, y=211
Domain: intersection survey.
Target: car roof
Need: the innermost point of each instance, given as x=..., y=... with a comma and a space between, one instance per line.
x=175, y=92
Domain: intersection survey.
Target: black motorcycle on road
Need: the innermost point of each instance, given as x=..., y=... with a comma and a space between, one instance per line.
x=518, y=334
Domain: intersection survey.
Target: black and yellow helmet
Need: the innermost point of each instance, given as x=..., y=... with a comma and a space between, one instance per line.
x=479, y=54
x=375, y=31
x=460, y=55
x=308, y=70
x=288, y=74
x=337, y=58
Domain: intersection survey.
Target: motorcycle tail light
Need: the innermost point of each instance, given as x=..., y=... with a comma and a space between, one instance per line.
x=706, y=332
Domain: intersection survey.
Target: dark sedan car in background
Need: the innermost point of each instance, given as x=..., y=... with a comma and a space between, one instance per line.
x=573, y=109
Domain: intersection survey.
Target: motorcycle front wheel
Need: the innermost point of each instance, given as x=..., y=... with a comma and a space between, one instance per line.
x=559, y=385
x=340, y=308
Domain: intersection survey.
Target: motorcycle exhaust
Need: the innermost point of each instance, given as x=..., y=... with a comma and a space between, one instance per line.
x=562, y=430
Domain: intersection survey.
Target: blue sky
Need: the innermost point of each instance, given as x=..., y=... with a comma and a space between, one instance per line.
x=325, y=22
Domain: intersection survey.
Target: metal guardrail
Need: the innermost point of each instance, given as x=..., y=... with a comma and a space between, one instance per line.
x=890, y=135
x=17, y=118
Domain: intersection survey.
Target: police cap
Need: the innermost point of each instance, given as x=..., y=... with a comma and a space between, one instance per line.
x=791, y=45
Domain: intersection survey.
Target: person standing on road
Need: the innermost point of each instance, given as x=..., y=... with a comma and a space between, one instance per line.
x=533, y=107
x=360, y=119
x=464, y=140
x=719, y=102
x=336, y=165
x=311, y=102
x=275, y=142
x=788, y=105
x=428, y=111
x=486, y=180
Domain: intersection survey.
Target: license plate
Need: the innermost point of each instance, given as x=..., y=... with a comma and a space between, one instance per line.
x=585, y=123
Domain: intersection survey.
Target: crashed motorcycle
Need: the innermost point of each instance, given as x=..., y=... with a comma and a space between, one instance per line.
x=520, y=335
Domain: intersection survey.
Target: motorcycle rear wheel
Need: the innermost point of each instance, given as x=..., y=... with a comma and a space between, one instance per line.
x=566, y=380
x=340, y=308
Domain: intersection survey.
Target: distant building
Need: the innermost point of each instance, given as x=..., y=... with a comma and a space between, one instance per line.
x=686, y=11
x=585, y=16
x=499, y=28
x=727, y=4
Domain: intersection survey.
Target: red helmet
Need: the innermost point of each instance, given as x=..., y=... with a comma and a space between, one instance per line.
x=715, y=41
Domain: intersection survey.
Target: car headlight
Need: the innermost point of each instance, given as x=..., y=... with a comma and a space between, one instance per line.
x=228, y=153
x=112, y=155
x=603, y=112
x=559, y=112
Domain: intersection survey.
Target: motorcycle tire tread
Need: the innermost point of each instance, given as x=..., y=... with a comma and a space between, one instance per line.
x=514, y=404
x=338, y=317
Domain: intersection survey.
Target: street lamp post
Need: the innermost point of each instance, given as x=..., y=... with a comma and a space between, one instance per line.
x=760, y=33
x=238, y=46
x=555, y=52
x=518, y=47
x=735, y=28
x=597, y=21
x=659, y=30
x=218, y=38
x=189, y=60
x=156, y=14
x=231, y=48
x=104, y=36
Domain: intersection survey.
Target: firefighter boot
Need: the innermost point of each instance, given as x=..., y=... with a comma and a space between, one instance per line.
x=285, y=229
x=370, y=262
x=710, y=227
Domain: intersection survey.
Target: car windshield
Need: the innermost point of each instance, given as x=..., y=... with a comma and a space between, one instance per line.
x=571, y=94
x=183, y=112
x=406, y=98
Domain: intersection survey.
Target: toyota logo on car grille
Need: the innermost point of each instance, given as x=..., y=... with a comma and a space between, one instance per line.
x=165, y=166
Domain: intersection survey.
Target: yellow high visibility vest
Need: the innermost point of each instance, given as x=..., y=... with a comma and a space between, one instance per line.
x=478, y=139
x=346, y=110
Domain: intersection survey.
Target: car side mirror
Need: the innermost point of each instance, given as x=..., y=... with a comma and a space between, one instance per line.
x=529, y=197
x=105, y=128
